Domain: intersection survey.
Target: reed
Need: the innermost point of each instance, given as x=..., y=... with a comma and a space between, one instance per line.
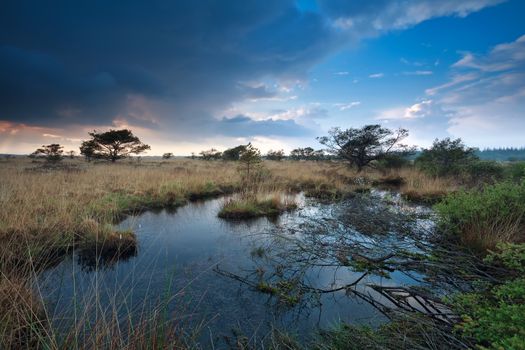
x=46, y=212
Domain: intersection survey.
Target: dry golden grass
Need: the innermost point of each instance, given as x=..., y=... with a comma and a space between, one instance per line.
x=45, y=212
x=419, y=187
x=484, y=236
x=257, y=204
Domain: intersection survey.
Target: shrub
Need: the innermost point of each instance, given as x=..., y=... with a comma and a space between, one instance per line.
x=515, y=171
x=495, y=317
x=481, y=219
x=483, y=172
x=446, y=157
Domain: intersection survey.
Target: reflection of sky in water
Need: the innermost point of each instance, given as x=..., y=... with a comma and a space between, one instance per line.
x=177, y=253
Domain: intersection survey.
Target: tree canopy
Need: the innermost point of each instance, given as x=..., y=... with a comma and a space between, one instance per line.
x=112, y=145
x=233, y=153
x=211, y=154
x=275, y=155
x=52, y=152
x=446, y=157
x=307, y=153
x=249, y=160
x=363, y=146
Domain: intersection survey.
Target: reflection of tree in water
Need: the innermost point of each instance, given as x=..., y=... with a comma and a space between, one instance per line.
x=355, y=247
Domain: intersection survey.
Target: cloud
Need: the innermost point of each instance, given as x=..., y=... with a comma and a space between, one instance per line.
x=502, y=57
x=373, y=17
x=486, y=96
x=346, y=106
x=242, y=125
x=457, y=79
x=422, y=109
x=376, y=75
x=419, y=72
x=342, y=73
x=173, y=66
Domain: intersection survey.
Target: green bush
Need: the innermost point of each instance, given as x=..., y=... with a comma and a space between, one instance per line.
x=483, y=172
x=481, y=219
x=515, y=171
x=446, y=158
x=495, y=318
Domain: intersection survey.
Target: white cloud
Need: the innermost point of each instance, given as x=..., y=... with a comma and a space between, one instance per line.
x=418, y=110
x=301, y=113
x=346, y=106
x=486, y=96
x=419, y=72
x=456, y=80
x=376, y=75
x=342, y=73
x=502, y=57
x=376, y=17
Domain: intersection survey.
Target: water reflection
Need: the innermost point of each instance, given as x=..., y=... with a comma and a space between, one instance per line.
x=243, y=277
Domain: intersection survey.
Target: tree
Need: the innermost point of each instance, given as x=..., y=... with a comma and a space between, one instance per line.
x=302, y=153
x=88, y=148
x=167, y=155
x=112, y=145
x=211, y=154
x=275, y=155
x=446, y=157
x=361, y=147
x=71, y=154
x=250, y=159
x=233, y=153
x=52, y=152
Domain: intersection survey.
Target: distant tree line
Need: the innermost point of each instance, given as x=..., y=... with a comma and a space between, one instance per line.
x=235, y=153
x=502, y=154
x=370, y=146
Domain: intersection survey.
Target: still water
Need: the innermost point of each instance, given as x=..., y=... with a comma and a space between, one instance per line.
x=178, y=255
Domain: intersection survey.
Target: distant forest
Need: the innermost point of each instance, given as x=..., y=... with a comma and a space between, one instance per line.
x=502, y=154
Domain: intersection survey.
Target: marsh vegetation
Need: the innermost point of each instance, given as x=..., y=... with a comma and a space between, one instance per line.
x=323, y=239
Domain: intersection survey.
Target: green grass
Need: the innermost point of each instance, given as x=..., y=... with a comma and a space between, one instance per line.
x=482, y=219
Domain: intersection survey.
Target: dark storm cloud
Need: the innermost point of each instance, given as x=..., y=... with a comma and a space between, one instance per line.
x=78, y=62
x=87, y=61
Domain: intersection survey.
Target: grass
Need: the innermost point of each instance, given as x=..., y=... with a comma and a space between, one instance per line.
x=482, y=219
x=421, y=188
x=256, y=205
x=48, y=211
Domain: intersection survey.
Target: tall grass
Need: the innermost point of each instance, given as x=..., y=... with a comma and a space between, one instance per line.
x=420, y=187
x=482, y=219
x=47, y=212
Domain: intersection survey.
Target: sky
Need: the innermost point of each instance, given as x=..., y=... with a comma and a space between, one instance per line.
x=189, y=75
